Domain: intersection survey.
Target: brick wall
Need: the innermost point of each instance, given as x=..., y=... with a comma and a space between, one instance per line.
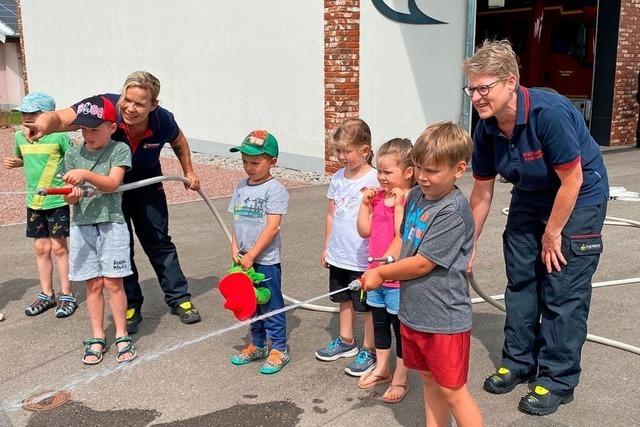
x=625, y=107
x=23, y=62
x=341, y=67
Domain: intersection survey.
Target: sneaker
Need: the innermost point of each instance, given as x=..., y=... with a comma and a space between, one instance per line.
x=249, y=354
x=337, y=349
x=187, y=312
x=364, y=363
x=503, y=381
x=67, y=305
x=134, y=318
x=275, y=362
x=541, y=401
x=43, y=303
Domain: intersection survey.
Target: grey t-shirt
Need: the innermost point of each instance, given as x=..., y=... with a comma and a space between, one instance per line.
x=441, y=231
x=101, y=207
x=250, y=205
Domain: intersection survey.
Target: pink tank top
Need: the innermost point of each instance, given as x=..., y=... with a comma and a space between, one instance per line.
x=382, y=231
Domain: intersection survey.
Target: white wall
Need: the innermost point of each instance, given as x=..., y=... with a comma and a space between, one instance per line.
x=226, y=67
x=410, y=75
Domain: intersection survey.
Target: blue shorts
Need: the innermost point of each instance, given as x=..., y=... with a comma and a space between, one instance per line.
x=385, y=297
x=99, y=250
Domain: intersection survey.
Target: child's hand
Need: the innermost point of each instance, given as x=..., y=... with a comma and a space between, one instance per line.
x=371, y=280
x=12, y=162
x=73, y=197
x=368, y=194
x=75, y=177
x=245, y=261
x=323, y=259
x=398, y=196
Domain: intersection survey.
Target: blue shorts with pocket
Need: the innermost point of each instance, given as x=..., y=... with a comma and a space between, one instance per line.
x=385, y=297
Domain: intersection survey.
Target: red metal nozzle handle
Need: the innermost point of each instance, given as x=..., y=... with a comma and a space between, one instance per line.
x=54, y=191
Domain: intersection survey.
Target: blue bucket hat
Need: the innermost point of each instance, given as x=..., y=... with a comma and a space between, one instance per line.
x=36, y=102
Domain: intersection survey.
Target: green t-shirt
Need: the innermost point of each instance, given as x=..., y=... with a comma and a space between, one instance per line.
x=101, y=207
x=43, y=161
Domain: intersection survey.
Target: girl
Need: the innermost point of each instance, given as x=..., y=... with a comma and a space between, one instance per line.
x=379, y=219
x=345, y=252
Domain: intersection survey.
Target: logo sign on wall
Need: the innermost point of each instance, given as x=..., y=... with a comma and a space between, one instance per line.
x=415, y=15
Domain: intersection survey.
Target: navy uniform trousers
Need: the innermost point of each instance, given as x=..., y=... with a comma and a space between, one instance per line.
x=145, y=210
x=546, y=323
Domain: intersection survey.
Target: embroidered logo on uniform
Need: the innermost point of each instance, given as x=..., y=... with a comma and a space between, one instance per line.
x=532, y=155
x=589, y=246
x=151, y=145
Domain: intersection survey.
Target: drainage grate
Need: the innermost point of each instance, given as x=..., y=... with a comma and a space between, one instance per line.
x=46, y=400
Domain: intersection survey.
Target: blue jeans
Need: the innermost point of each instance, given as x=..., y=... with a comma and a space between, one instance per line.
x=273, y=327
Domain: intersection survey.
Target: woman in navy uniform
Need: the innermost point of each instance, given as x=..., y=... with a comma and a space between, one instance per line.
x=539, y=142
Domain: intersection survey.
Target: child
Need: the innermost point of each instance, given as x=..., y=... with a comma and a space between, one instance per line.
x=433, y=250
x=379, y=219
x=345, y=252
x=99, y=235
x=258, y=204
x=47, y=217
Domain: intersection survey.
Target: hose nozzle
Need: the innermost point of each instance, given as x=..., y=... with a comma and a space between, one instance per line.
x=385, y=260
x=356, y=285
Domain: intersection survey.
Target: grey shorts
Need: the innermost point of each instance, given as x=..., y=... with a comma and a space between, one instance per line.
x=99, y=250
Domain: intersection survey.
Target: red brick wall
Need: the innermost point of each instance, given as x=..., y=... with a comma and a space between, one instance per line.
x=625, y=107
x=23, y=62
x=341, y=67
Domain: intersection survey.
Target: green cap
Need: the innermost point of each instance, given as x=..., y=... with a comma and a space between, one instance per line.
x=258, y=142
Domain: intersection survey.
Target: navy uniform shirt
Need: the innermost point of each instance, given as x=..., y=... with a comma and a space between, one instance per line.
x=549, y=135
x=146, y=150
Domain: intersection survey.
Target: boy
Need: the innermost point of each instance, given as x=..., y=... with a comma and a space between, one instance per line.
x=433, y=248
x=99, y=235
x=47, y=217
x=258, y=204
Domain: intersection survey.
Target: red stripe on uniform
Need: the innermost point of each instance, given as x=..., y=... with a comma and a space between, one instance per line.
x=567, y=165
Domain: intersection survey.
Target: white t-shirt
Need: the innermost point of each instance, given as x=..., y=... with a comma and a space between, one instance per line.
x=346, y=249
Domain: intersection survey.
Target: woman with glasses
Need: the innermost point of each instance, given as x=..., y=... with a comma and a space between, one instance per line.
x=539, y=142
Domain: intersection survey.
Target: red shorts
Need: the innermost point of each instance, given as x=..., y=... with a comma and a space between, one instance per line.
x=445, y=356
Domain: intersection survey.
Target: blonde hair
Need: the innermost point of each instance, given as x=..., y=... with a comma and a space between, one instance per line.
x=442, y=143
x=401, y=148
x=145, y=80
x=493, y=58
x=353, y=132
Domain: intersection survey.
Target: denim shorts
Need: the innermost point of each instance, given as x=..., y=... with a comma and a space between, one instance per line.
x=99, y=250
x=385, y=297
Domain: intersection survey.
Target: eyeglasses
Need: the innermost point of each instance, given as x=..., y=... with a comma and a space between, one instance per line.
x=483, y=90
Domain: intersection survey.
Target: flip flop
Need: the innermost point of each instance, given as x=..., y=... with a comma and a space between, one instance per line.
x=404, y=387
x=377, y=379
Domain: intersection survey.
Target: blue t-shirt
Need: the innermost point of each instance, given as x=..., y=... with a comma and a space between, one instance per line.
x=549, y=135
x=250, y=205
x=146, y=150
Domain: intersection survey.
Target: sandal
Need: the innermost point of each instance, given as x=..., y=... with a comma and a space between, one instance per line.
x=405, y=390
x=88, y=351
x=129, y=348
x=377, y=379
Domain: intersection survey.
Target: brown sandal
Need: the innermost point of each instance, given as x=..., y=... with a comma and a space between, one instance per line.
x=404, y=387
x=377, y=379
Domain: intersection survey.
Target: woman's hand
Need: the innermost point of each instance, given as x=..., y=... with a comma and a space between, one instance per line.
x=552, y=251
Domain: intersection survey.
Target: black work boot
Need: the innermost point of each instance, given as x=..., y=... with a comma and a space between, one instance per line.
x=187, y=312
x=134, y=317
x=541, y=401
x=503, y=381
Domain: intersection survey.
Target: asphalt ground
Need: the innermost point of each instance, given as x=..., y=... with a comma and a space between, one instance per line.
x=196, y=385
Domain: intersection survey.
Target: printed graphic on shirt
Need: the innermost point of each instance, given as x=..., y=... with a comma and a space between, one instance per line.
x=345, y=204
x=416, y=225
x=250, y=208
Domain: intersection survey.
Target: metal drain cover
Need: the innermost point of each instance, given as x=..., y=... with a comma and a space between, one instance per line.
x=46, y=400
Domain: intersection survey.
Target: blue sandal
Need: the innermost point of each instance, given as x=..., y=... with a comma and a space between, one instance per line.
x=88, y=351
x=129, y=348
